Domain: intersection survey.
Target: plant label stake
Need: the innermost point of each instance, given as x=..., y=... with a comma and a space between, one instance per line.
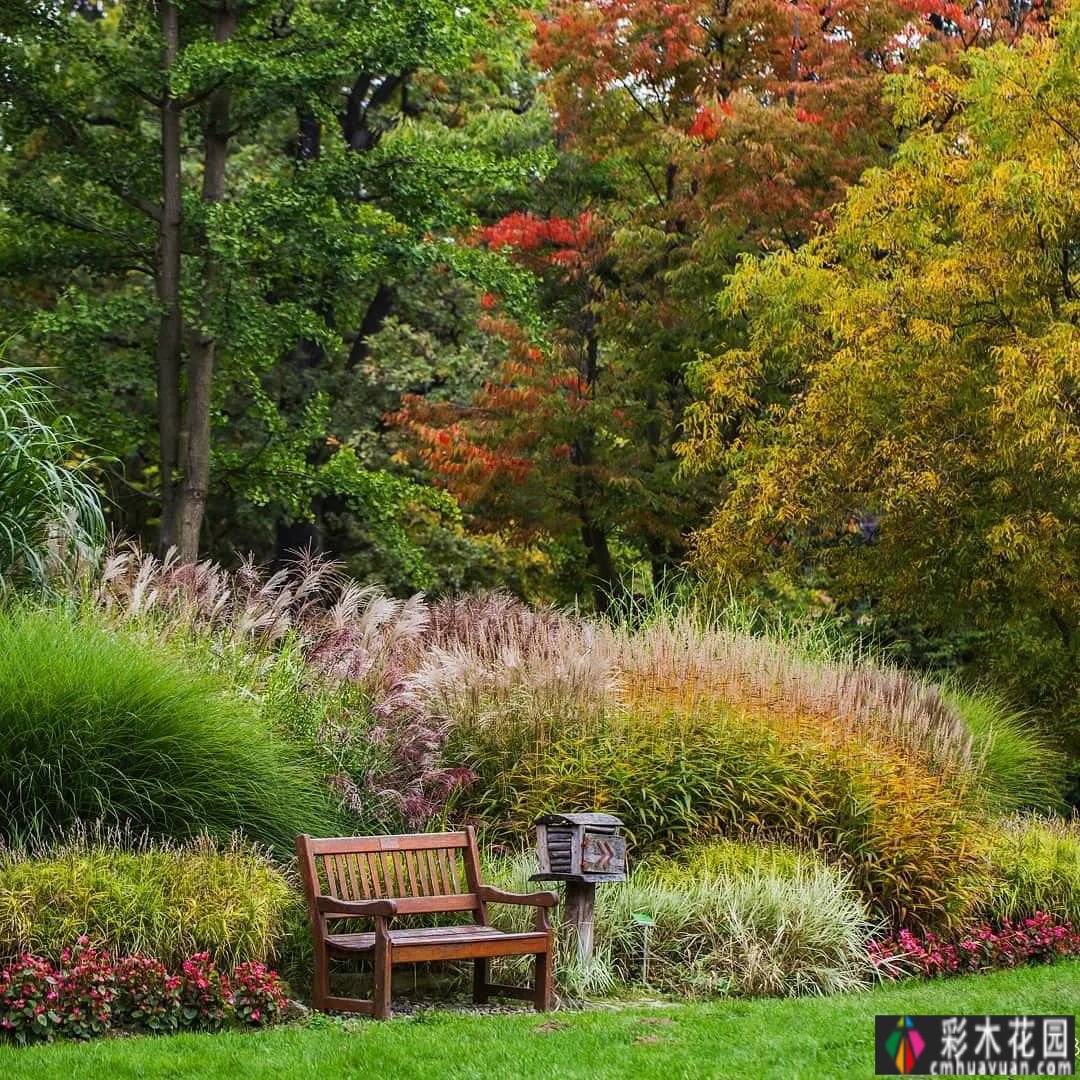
x=582, y=850
x=646, y=922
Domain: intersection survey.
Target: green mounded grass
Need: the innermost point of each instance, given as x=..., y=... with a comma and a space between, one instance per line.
x=1020, y=769
x=96, y=727
x=805, y=1039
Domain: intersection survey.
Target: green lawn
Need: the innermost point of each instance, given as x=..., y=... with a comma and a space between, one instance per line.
x=809, y=1038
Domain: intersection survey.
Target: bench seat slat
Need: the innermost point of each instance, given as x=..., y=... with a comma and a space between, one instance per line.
x=442, y=943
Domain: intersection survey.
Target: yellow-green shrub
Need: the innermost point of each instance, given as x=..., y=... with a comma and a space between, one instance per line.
x=164, y=901
x=1036, y=867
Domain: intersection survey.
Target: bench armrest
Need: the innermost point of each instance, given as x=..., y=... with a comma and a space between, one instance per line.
x=536, y=899
x=331, y=905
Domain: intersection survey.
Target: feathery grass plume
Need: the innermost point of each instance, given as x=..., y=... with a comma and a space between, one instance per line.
x=431, y=694
x=50, y=513
x=132, y=895
x=94, y=725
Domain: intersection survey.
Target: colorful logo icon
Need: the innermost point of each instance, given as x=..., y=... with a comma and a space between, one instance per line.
x=905, y=1045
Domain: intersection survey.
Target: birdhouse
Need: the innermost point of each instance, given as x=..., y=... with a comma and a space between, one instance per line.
x=580, y=847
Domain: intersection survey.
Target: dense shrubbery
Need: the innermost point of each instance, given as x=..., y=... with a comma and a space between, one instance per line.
x=690, y=729
x=94, y=726
x=165, y=901
x=89, y=993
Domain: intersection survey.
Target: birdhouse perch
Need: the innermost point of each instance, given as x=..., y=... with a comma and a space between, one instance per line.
x=582, y=850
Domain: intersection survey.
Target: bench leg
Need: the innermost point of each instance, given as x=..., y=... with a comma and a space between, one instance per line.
x=383, y=979
x=320, y=990
x=480, y=980
x=542, y=982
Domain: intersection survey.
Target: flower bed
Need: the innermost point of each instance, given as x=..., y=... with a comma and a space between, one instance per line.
x=90, y=993
x=1036, y=940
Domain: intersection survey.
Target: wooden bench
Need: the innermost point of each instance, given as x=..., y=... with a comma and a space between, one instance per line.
x=382, y=877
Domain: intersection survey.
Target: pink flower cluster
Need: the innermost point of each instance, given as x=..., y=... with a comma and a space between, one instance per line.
x=90, y=993
x=1036, y=940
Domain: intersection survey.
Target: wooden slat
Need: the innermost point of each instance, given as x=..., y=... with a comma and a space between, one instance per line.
x=362, y=872
x=331, y=877
x=396, y=860
x=388, y=873
x=354, y=885
x=419, y=905
x=470, y=936
x=421, y=873
x=444, y=870
x=433, y=870
x=409, y=858
x=323, y=845
x=452, y=865
x=341, y=863
x=373, y=870
x=511, y=945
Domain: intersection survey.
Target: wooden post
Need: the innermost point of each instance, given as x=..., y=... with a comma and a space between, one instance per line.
x=578, y=910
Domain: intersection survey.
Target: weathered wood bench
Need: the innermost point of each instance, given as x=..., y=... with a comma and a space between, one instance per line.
x=382, y=877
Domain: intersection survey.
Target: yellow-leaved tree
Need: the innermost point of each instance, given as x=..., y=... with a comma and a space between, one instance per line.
x=905, y=415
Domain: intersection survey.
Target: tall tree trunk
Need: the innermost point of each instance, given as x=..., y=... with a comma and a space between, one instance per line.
x=593, y=535
x=203, y=347
x=167, y=285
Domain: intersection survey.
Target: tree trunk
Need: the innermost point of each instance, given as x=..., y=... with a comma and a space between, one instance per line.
x=593, y=535
x=167, y=286
x=203, y=347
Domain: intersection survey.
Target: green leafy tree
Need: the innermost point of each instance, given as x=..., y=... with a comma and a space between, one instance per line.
x=199, y=196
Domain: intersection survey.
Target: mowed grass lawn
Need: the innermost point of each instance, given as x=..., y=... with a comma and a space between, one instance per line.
x=805, y=1038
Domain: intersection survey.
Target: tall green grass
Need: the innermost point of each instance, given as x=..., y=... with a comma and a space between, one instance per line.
x=50, y=513
x=1036, y=867
x=95, y=727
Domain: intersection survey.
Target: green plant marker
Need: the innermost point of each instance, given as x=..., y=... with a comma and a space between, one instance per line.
x=645, y=922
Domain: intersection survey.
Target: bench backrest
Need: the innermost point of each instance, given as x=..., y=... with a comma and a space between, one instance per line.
x=424, y=872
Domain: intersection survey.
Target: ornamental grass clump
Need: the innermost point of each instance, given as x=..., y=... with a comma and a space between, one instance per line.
x=133, y=897
x=96, y=726
x=430, y=686
x=783, y=924
x=906, y=836
x=1035, y=863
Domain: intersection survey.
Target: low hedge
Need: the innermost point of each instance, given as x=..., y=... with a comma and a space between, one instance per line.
x=1035, y=863
x=168, y=901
